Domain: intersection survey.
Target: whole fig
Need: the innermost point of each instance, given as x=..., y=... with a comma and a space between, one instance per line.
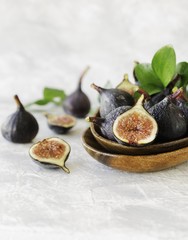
x=170, y=119
x=21, y=126
x=77, y=103
x=112, y=98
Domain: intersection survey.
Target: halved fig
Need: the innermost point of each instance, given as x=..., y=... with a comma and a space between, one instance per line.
x=136, y=126
x=60, y=124
x=127, y=86
x=51, y=153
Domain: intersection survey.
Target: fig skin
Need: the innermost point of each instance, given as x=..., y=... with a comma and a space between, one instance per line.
x=183, y=106
x=60, y=124
x=112, y=98
x=136, y=126
x=156, y=98
x=77, y=103
x=106, y=124
x=170, y=119
x=21, y=126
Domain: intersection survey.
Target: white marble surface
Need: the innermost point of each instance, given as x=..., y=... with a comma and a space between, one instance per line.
x=48, y=43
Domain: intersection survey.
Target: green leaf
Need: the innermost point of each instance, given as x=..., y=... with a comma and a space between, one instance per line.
x=182, y=71
x=182, y=68
x=164, y=64
x=51, y=93
x=40, y=102
x=148, y=79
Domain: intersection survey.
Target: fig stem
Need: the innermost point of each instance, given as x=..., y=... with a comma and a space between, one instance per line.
x=126, y=77
x=97, y=88
x=82, y=76
x=177, y=94
x=65, y=169
x=140, y=100
x=18, y=102
x=174, y=81
x=96, y=120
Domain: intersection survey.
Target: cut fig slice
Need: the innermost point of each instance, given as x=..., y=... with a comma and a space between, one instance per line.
x=51, y=152
x=60, y=124
x=136, y=126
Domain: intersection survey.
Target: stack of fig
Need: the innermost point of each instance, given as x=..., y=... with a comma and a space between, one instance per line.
x=130, y=116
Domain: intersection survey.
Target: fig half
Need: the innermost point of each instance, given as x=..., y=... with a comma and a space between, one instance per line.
x=60, y=124
x=136, y=126
x=127, y=86
x=51, y=152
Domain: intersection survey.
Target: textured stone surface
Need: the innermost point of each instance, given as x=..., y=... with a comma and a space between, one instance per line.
x=49, y=43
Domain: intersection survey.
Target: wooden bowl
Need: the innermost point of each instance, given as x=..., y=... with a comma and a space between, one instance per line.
x=153, y=148
x=130, y=163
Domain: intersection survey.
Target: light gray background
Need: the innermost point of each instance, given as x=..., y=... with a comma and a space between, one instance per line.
x=48, y=43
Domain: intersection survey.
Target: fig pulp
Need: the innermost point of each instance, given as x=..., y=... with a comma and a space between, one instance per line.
x=105, y=124
x=77, y=104
x=21, y=126
x=112, y=98
x=170, y=119
x=136, y=126
x=51, y=152
x=60, y=124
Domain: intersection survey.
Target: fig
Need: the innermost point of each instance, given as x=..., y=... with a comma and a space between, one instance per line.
x=60, y=124
x=51, y=153
x=156, y=98
x=127, y=86
x=77, y=103
x=105, y=124
x=135, y=126
x=170, y=119
x=112, y=98
x=21, y=126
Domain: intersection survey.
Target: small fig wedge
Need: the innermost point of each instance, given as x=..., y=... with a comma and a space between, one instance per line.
x=136, y=126
x=60, y=124
x=51, y=152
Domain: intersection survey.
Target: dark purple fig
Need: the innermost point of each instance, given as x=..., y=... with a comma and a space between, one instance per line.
x=51, y=153
x=136, y=126
x=106, y=124
x=77, y=104
x=60, y=124
x=170, y=119
x=21, y=126
x=112, y=98
x=156, y=98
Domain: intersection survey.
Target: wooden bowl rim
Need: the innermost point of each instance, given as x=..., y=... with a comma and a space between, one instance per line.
x=153, y=148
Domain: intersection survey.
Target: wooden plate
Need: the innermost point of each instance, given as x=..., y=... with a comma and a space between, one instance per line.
x=153, y=148
x=137, y=163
